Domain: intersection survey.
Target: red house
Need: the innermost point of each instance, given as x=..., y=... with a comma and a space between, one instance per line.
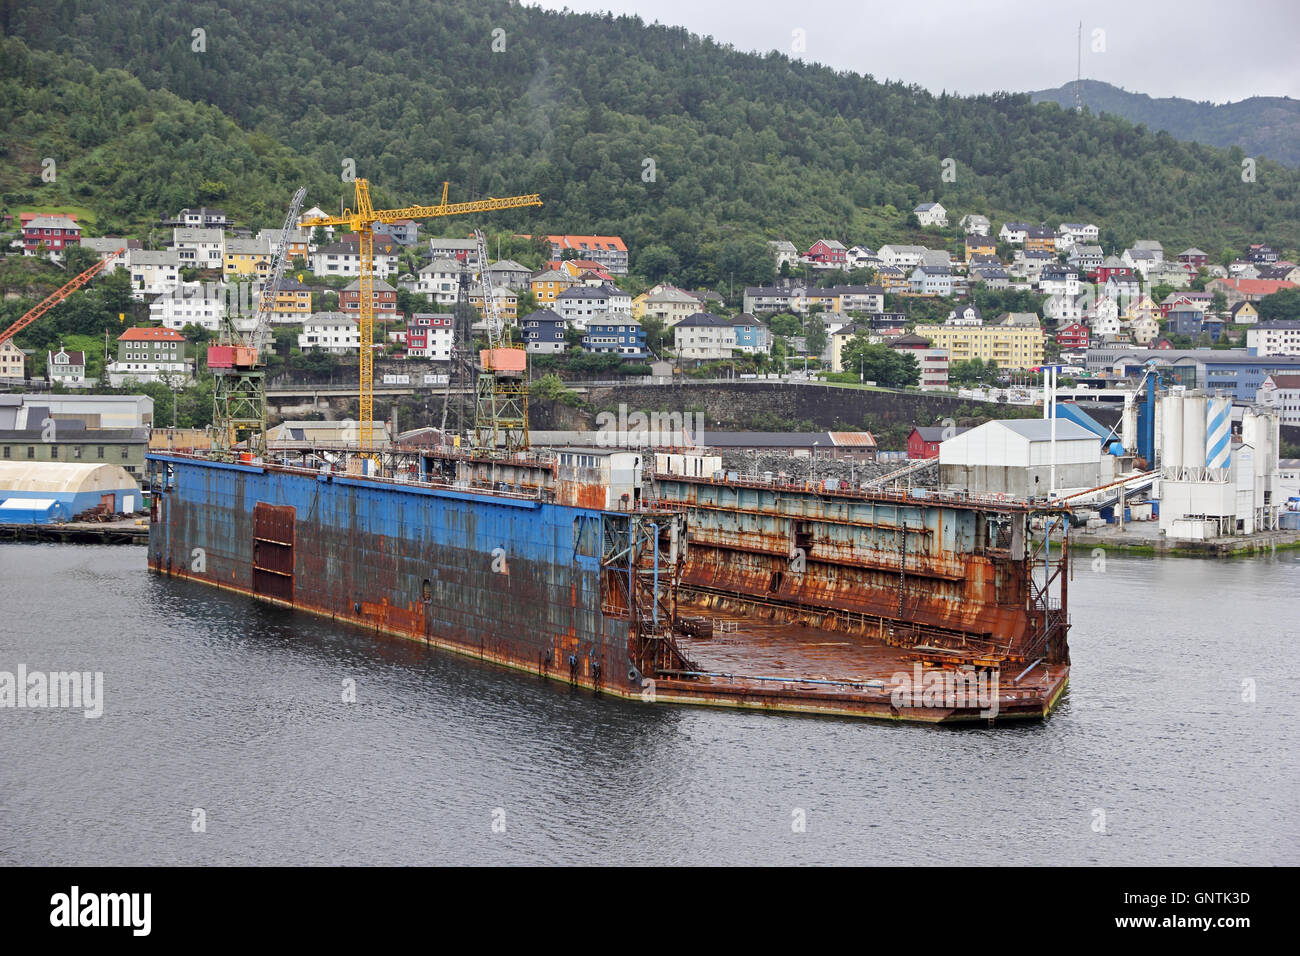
x=1113, y=267
x=53, y=232
x=828, y=252
x=1073, y=336
x=1194, y=257
x=383, y=295
x=924, y=441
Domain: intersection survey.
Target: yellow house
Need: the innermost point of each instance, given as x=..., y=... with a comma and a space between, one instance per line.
x=547, y=286
x=13, y=361
x=1144, y=328
x=842, y=337
x=667, y=303
x=507, y=302
x=247, y=257
x=1011, y=346
x=1243, y=313
x=292, y=301
x=980, y=246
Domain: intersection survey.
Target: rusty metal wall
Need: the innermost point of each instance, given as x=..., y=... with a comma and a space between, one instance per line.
x=909, y=571
x=501, y=577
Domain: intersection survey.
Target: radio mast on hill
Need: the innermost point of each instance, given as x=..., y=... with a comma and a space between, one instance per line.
x=1078, y=71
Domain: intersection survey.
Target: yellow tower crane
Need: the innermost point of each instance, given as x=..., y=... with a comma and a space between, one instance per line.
x=361, y=219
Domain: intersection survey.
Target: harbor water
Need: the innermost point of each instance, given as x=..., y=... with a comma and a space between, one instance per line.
x=236, y=733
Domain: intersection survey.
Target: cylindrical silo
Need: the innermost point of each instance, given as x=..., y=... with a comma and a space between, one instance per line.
x=1218, y=433
x=1171, y=434
x=1194, y=433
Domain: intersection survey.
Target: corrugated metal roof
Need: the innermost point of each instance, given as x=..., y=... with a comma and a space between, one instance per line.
x=1040, y=429
x=52, y=477
x=853, y=439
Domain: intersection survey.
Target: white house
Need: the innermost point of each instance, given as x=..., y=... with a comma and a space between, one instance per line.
x=440, y=281
x=198, y=303
x=1064, y=309
x=199, y=248
x=902, y=257
x=331, y=331
x=152, y=272
x=66, y=368
x=316, y=212
x=105, y=246
x=430, y=336
x=975, y=225
x=1281, y=392
x=965, y=315
x=1014, y=232
x=1104, y=325
x=931, y=214
x=1069, y=233
x=1058, y=280
x=862, y=257
x=1278, y=337
x=784, y=251
x=582, y=304
x=704, y=336
x=931, y=280
x=344, y=259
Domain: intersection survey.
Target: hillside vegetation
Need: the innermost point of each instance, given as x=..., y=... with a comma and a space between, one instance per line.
x=577, y=107
x=1260, y=125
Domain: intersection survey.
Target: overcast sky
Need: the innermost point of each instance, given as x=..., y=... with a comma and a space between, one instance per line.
x=1199, y=49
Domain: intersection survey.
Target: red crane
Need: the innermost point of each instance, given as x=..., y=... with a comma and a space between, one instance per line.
x=57, y=296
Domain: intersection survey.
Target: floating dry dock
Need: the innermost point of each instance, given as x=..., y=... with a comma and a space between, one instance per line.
x=587, y=566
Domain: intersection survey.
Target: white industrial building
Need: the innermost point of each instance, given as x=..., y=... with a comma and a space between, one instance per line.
x=1016, y=458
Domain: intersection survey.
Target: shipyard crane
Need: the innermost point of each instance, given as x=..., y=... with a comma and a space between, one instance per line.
x=362, y=219
x=238, y=360
x=501, y=410
x=57, y=296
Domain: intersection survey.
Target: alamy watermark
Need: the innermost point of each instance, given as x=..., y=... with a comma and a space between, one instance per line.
x=965, y=686
x=643, y=429
x=53, y=689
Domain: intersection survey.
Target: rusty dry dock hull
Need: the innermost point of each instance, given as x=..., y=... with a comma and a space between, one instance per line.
x=548, y=589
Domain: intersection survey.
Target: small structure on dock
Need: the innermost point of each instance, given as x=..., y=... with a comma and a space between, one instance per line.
x=42, y=492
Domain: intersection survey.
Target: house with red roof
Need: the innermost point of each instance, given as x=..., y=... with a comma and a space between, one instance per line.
x=150, y=354
x=1248, y=290
x=54, y=233
x=607, y=251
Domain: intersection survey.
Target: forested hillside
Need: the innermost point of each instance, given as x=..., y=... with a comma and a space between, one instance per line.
x=130, y=154
x=1261, y=125
x=575, y=107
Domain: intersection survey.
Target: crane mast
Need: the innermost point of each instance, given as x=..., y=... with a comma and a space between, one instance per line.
x=57, y=296
x=501, y=394
x=238, y=360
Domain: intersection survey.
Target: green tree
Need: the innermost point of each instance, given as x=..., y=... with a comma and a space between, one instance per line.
x=1283, y=304
x=815, y=336
x=657, y=262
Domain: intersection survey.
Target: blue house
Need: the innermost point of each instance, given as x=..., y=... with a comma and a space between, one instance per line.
x=621, y=334
x=1189, y=322
x=543, y=331
x=751, y=334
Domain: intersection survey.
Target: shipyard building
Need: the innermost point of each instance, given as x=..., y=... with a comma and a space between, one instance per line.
x=1015, y=458
x=45, y=492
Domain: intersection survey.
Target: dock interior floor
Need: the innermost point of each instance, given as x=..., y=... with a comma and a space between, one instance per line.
x=797, y=654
